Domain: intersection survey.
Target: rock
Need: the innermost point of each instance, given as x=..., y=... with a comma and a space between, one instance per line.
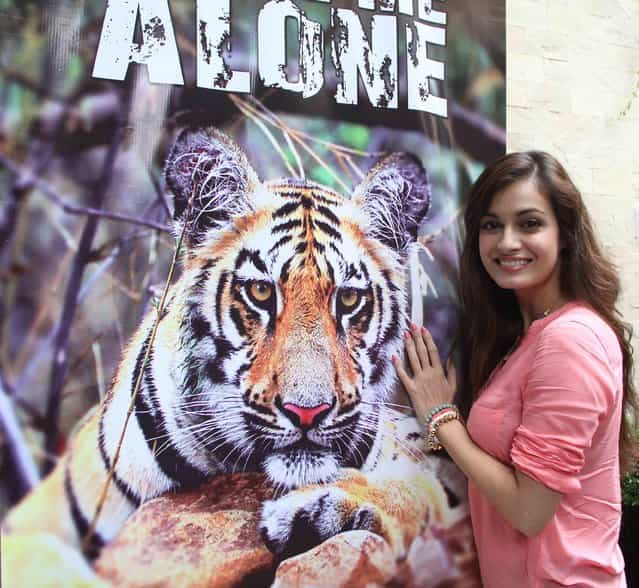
x=207, y=537
x=354, y=559
x=210, y=537
x=442, y=558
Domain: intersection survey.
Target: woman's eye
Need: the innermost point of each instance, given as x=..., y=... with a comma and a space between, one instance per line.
x=348, y=298
x=531, y=223
x=260, y=291
x=488, y=226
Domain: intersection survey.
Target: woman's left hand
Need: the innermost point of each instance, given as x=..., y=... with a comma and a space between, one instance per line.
x=429, y=386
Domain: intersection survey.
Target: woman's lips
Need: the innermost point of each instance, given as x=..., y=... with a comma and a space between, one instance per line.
x=512, y=265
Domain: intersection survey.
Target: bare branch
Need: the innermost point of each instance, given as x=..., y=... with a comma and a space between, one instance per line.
x=60, y=348
x=29, y=179
x=159, y=192
x=482, y=139
x=24, y=466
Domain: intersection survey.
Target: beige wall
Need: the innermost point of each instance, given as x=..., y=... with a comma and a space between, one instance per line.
x=573, y=90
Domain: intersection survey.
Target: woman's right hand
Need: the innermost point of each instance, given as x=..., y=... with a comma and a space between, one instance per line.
x=429, y=386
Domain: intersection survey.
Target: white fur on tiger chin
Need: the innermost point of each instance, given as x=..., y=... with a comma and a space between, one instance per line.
x=303, y=471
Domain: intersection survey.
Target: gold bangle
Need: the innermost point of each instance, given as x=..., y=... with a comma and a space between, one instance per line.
x=432, y=443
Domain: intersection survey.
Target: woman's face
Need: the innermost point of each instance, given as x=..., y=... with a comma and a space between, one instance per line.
x=519, y=242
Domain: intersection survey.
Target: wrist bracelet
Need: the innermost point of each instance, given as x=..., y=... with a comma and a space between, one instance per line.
x=437, y=409
x=441, y=414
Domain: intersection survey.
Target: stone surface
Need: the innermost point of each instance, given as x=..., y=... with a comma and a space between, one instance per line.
x=356, y=559
x=207, y=537
x=442, y=558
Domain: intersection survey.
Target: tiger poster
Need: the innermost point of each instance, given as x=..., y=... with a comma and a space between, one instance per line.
x=218, y=218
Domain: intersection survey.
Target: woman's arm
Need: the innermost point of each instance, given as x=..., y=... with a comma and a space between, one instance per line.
x=527, y=504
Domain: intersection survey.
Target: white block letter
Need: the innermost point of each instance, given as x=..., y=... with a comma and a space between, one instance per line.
x=425, y=12
x=158, y=51
x=421, y=68
x=376, y=60
x=271, y=39
x=405, y=6
x=213, y=38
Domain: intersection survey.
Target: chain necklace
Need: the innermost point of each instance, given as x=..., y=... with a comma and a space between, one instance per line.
x=551, y=308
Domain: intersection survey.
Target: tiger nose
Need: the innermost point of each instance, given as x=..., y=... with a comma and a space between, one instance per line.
x=306, y=417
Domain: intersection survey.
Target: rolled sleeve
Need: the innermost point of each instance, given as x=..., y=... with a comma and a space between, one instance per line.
x=568, y=391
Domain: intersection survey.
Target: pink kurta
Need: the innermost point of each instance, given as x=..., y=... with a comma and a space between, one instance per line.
x=553, y=411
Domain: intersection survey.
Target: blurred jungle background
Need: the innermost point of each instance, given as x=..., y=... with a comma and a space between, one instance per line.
x=85, y=219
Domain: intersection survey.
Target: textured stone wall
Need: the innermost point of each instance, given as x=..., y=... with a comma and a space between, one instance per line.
x=573, y=90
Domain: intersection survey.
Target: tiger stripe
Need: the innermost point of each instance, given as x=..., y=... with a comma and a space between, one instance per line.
x=82, y=523
x=151, y=421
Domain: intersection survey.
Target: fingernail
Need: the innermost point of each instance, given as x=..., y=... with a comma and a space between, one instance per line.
x=424, y=330
x=413, y=326
x=394, y=358
x=406, y=334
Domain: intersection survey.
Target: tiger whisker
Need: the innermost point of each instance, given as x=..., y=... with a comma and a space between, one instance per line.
x=248, y=450
x=384, y=404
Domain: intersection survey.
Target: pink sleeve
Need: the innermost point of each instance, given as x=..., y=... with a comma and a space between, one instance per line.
x=570, y=387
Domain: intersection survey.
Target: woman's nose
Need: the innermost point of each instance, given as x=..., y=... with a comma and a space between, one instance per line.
x=509, y=239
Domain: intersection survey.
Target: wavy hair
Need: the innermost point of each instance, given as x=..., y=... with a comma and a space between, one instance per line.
x=490, y=315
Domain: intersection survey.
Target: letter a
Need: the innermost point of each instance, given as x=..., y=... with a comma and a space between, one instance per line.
x=158, y=51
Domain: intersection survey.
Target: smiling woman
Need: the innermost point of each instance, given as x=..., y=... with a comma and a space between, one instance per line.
x=548, y=376
x=519, y=246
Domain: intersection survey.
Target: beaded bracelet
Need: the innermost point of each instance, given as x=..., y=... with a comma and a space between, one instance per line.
x=433, y=441
x=434, y=411
x=439, y=415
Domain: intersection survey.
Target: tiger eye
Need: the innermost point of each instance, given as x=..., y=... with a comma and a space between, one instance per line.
x=349, y=297
x=261, y=291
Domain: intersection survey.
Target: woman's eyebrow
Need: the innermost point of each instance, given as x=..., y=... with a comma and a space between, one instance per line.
x=529, y=210
x=518, y=213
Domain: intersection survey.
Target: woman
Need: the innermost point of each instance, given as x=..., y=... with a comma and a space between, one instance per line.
x=549, y=372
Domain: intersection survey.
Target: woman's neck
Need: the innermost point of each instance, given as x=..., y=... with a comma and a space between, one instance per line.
x=539, y=307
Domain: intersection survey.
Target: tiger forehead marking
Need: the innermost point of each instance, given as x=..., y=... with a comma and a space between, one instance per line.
x=308, y=219
x=293, y=305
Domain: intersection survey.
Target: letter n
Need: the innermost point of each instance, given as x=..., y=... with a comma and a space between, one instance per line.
x=375, y=60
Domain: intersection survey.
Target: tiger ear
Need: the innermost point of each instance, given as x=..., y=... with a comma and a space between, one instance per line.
x=210, y=178
x=395, y=195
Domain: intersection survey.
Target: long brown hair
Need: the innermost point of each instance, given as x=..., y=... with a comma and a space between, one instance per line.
x=491, y=320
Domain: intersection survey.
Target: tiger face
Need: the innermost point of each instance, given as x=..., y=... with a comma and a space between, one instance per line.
x=294, y=302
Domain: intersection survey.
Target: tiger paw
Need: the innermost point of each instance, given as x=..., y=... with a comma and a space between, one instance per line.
x=302, y=519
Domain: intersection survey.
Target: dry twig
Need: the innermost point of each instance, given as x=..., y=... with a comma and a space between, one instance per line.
x=136, y=388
